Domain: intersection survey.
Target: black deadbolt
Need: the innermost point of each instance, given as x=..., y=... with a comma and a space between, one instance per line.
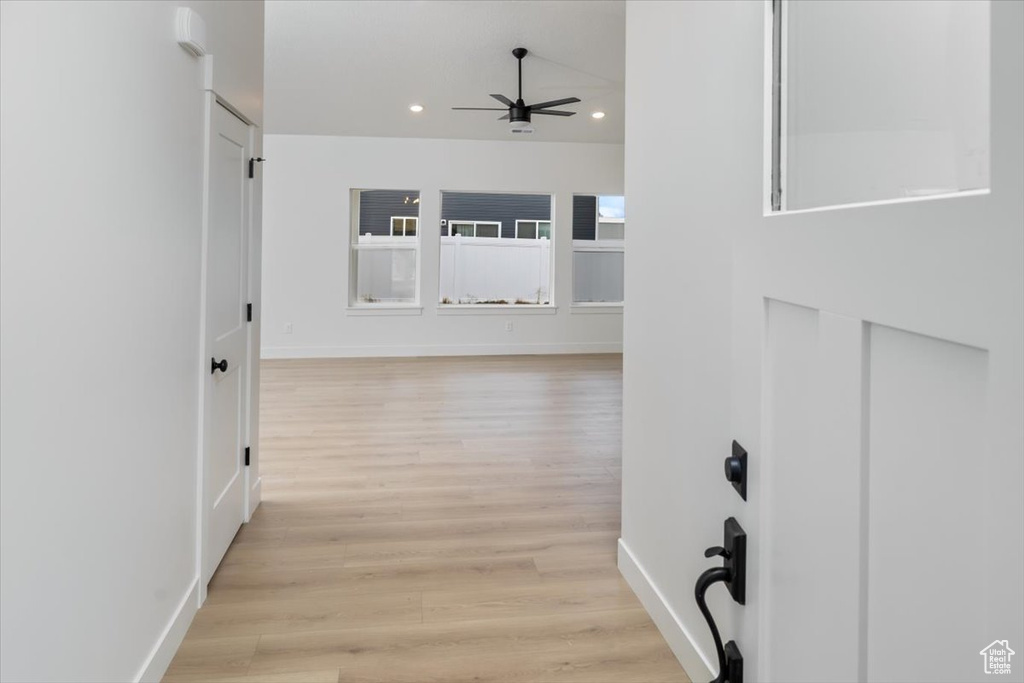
x=736, y=469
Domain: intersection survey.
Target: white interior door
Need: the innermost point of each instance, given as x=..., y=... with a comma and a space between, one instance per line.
x=226, y=357
x=879, y=383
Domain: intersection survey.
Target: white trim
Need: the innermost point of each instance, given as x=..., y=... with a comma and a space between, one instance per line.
x=380, y=351
x=596, y=307
x=883, y=202
x=768, y=111
x=496, y=309
x=384, y=309
x=599, y=245
x=208, y=108
x=155, y=666
x=386, y=242
x=696, y=664
x=255, y=495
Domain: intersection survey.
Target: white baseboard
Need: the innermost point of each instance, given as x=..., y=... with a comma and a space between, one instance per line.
x=697, y=665
x=163, y=652
x=255, y=495
x=272, y=352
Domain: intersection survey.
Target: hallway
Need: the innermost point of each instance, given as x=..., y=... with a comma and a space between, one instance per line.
x=443, y=519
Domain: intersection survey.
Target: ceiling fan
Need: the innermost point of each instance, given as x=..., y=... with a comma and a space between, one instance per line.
x=518, y=112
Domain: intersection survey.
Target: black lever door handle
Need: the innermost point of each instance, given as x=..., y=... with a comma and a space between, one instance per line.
x=215, y=366
x=733, y=573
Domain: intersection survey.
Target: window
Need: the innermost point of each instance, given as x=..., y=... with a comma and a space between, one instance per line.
x=404, y=226
x=598, y=249
x=877, y=101
x=385, y=247
x=473, y=229
x=533, y=230
x=508, y=259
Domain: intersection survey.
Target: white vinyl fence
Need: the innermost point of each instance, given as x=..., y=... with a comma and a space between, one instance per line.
x=385, y=269
x=485, y=269
x=478, y=269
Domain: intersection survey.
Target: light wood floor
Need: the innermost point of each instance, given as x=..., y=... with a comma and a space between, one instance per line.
x=450, y=519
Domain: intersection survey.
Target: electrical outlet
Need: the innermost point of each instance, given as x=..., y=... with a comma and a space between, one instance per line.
x=508, y=325
x=287, y=328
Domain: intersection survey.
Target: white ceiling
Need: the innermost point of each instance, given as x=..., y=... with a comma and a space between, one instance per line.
x=353, y=67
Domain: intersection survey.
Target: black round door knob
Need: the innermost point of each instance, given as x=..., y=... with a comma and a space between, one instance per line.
x=215, y=366
x=734, y=469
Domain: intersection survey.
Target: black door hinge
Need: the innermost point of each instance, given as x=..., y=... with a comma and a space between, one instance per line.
x=248, y=313
x=252, y=165
x=246, y=456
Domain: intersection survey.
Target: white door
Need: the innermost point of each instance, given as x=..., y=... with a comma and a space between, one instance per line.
x=878, y=349
x=226, y=358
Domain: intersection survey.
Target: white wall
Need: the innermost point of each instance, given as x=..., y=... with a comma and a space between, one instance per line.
x=692, y=151
x=100, y=245
x=306, y=238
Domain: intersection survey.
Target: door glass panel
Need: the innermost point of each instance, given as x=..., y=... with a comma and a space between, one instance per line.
x=879, y=100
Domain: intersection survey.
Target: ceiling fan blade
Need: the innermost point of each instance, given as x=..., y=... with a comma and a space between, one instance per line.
x=504, y=100
x=554, y=103
x=479, y=108
x=504, y=118
x=551, y=112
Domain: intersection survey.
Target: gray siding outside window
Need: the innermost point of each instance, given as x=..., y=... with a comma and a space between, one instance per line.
x=584, y=217
x=376, y=207
x=496, y=208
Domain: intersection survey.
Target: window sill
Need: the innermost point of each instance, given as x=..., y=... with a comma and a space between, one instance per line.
x=597, y=308
x=384, y=309
x=496, y=309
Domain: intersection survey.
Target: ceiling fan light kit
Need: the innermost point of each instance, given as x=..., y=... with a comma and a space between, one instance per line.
x=518, y=112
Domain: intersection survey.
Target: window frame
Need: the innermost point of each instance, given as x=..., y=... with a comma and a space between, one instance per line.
x=389, y=242
x=405, y=226
x=457, y=308
x=536, y=222
x=475, y=224
x=597, y=245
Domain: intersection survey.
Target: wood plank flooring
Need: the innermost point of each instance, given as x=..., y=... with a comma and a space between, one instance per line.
x=438, y=519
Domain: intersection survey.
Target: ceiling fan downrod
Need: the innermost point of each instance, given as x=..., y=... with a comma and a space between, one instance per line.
x=519, y=53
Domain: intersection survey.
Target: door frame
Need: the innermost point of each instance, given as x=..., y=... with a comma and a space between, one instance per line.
x=251, y=482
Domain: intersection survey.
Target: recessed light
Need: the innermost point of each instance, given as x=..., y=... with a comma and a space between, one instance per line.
x=417, y=108
x=598, y=115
